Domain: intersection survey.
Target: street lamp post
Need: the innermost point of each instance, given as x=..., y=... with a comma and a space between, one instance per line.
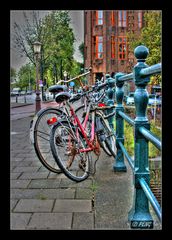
x=37, y=50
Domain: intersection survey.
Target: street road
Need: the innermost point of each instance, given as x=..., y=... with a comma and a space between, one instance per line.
x=29, y=110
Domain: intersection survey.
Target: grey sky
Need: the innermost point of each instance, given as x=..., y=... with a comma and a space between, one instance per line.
x=77, y=23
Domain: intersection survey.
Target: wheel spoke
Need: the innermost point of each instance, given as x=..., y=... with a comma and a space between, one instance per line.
x=73, y=163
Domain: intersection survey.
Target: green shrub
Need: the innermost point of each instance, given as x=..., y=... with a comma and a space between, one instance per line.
x=129, y=138
x=153, y=151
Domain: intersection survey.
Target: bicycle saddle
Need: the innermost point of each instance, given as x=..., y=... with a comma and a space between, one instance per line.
x=58, y=88
x=62, y=96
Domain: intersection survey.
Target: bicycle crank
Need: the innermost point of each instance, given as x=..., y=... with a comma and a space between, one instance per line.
x=71, y=155
x=97, y=149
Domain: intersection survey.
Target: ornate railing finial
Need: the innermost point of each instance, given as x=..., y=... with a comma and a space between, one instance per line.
x=141, y=52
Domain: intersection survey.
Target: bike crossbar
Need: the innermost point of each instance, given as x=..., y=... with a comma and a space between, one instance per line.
x=150, y=136
x=151, y=198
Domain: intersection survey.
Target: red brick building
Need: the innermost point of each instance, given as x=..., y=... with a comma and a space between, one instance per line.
x=105, y=37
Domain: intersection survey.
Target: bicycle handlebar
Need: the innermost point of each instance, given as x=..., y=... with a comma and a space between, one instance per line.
x=101, y=86
x=78, y=78
x=101, y=96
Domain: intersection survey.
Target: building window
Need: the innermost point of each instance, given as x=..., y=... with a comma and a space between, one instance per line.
x=122, y=18
x=99, y=17
x=99, y=47
x=122, y=48
x=113, y=18
x=140, y=19
x=113, y=47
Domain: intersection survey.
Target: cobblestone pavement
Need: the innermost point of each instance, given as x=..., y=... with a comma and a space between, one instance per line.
x=41, y=199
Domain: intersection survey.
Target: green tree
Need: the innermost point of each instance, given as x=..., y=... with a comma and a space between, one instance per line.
x=60, y=42
x=13, y=74
x=26, y=77
x=81, y=49
x=57, y=39
x=76, y=66
x=150, y=37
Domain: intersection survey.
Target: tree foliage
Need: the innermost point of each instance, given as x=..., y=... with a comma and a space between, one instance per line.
x=151, y=38
x=26, y=76
x=81, y=49
x=57, y=39
x=13, y=74
x=59, y=42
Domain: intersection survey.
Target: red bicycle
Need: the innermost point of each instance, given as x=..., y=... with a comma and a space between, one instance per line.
x=73, y=141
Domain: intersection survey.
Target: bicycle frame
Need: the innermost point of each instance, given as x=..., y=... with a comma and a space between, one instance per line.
x=90, y=142
x=82, y=128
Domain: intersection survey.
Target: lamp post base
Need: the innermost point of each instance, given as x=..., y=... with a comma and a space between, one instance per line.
x=37, y=102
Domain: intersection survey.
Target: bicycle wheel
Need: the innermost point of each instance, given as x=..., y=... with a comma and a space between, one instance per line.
x=80, y=112
x=110, y=142
x=67, y=145
x=106, y=138
x=100, y=130
x=40, y=136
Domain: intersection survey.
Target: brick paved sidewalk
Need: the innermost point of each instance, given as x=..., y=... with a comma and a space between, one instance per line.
x=44, y=200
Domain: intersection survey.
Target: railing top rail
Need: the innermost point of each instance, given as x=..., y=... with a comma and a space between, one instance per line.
x=126, y=77
x=126, y=117
x=154, y=69
x=151, y=137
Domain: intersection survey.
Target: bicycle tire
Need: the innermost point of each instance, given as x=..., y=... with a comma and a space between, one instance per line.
x=108, y=142
x=41, y=138
x=80, y=111
x=64, y=146
x=101, y=138
x=103, y=144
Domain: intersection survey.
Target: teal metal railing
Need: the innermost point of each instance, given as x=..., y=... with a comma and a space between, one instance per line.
x=139, y=215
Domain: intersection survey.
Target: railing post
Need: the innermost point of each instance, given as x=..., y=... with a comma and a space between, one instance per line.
x=119, y=165
x=139, y=215
x=110, y=100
